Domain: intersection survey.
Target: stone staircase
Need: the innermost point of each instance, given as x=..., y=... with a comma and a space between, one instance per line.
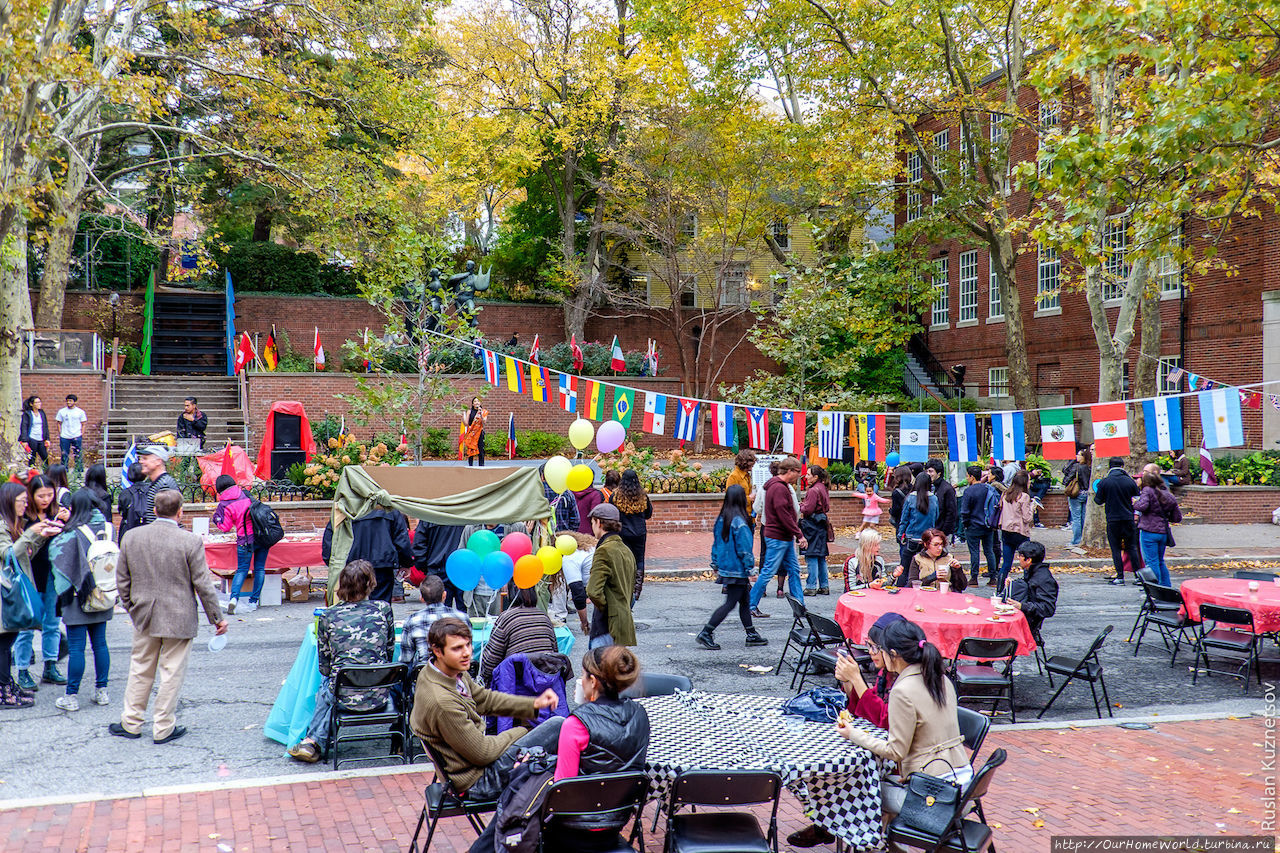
x=142, y=405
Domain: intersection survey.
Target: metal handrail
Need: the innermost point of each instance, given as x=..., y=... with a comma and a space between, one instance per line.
x=939, y=375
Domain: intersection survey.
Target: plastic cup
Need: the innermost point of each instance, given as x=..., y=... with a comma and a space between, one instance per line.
x=1253, y=586
x=944, y=587
x=217, y=642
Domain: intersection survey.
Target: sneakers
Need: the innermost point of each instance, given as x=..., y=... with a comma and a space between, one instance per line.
x=757, y=613
x=51, y=674
x=811, y=836
x=26, y=682
x=1116, y=581
x=249, y=607
x=100, y=697
x=67, y=703
x=754, y=639
x=231, y=607
x=306, y=752
x=707, y=640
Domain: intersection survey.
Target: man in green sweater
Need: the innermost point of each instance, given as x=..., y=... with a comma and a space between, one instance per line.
x=449, y=710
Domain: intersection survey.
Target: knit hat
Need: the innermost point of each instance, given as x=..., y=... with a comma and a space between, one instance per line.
x=885, y=620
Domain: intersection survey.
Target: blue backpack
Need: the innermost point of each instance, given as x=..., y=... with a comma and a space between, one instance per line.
x=991, y=508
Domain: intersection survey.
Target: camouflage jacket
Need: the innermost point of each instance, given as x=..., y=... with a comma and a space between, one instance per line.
x=359, y=632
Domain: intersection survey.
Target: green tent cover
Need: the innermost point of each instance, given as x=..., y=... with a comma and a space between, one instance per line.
x=436, y=494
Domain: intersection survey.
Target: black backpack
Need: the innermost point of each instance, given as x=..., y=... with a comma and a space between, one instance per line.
x=519, y=813
x=992, y=508
x=267, y=529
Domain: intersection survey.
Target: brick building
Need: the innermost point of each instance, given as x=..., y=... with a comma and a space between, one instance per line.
x=1223, y=325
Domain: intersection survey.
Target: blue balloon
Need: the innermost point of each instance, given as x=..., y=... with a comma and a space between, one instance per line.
x=463, y=569
x=497, y=569
x=891, y=460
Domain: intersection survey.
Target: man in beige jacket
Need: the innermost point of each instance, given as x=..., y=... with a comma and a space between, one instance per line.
x=160, y=572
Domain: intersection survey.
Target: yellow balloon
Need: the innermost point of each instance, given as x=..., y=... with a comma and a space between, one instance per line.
x=556, y=473
x=580, y=477
x=580, y=433
x=566, y=544
x=550, y=558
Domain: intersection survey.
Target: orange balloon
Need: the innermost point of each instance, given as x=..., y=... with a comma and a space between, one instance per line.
x=528, y=571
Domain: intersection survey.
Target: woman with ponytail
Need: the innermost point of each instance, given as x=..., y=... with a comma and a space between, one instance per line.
x=923, y=725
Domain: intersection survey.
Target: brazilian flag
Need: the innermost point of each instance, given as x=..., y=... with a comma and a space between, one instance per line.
x=623, y=400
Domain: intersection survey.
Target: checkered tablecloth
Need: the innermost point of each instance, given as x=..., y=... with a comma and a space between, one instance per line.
x=837, y=783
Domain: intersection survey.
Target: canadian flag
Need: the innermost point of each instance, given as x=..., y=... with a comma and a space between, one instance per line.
x=319, y=350
x=244, y=352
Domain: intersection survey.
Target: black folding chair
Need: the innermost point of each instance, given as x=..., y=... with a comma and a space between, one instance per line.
x=1162, y=607
x=441, y=800
x=722, y=831
x=1145, y=577
x=973, y=728
x=657, y=684
x=798, y=633
x=982, y=670
x=385, y=723
x=818, y=655
x=588, y=807
x=962, y=835
x=1232, y=638
x=1087, y=668
x=412, y=746
x=1267, y=577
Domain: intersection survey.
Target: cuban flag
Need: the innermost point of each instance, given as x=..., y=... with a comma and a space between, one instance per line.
x=962, y=437
x=687, y=422
x=722, y=431
x=491, y=367
x=758, y=427
x=1220, y=418
x=831, y=435
x=568, y=392
x=793, y=432
x=129, y=458
x=1008, y=439
x=913, y=437
x=655, y=413
x=1163, y=420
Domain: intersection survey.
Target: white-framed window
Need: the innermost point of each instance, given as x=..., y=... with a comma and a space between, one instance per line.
x=733, y=284
x=966, y=151
x=997, y=382
x=779, y=283
x=996, y=123
x=688, y=291
x=1115, y=250
x=1048, y=270
x=941, y=144
x=689, y=226
x=781, y=231
x=915, y=174
x=968, y=287
x=1169, y=272
x=1050, y=114
x=941, y=313
x=1168, y=364
x=995, y=307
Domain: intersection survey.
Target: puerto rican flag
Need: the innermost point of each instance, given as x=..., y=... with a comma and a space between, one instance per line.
x=687, y=422
x=655, y=413
x=568, y=392
x=758, y=428
x=491, y=367
x=793, y=432
x=722, y=431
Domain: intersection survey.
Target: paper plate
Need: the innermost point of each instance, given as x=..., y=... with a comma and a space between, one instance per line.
x=217, y=642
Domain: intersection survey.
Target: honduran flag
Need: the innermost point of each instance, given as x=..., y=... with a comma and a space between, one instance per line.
x=962, y=437
x=1110, y=429
x=515, y=375
x=1220, y=418
x=722, y=430
x=1162, y=418
x=913, y=438
x=831, y=435
x=1008, y=436
x=793, y=432
x=568, y=392
x=687, y=421
x=491, y=367
x=757, y=428
x=655, y=413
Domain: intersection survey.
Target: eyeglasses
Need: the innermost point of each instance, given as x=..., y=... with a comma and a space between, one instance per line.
x=874, y=649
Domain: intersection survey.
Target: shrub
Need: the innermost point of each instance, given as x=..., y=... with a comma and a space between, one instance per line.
x=324, y=469
x=841, y=473
x=530, y=444
x=268, y=267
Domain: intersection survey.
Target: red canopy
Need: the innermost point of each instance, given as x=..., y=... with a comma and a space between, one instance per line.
x=287, y=407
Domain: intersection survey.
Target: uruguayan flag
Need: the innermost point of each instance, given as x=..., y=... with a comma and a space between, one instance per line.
x=129, y=458
x=831, y=435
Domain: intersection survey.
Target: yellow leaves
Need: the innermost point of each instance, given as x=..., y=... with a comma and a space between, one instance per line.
x=1032, y=810
x=1038, y=824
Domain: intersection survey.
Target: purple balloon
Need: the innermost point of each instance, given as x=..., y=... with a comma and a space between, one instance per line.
x=610, y=436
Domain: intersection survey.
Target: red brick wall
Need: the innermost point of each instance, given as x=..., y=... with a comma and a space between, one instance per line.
x=52, y=387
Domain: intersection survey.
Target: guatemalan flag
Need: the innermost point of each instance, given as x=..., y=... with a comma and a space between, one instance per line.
x=793, y=432
x=1220, y=418
x=962, y=437
x=913, y=438
x=757, y=428
x=831, y=435
x=491, y=367
x=687, y=422
x=655, y=413
x=1008, y=437
x=568, y=392
x=1163, y=419
x=722, y=431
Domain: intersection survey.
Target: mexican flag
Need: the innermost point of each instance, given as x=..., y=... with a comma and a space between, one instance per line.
x=616, y=359
x=1058, y=434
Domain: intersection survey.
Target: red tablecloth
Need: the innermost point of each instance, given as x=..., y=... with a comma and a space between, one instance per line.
x=1229, y=592
x=286, y=554
x=855, y=614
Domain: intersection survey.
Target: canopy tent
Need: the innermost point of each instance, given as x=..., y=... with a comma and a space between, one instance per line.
x=436, y=494
x=308, y=444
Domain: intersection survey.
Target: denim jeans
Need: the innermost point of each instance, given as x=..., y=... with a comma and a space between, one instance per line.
x=818, y=578
x=77, y=635
x=23, y=651
x=65, y=444
x=778, y=554
x=1009, y=544
x=1152, y=546
x=981, y=541
x=1076, y=507
x=245, y=556
x=600, y=642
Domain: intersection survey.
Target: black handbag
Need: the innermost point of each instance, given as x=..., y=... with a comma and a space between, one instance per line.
x=930, y=803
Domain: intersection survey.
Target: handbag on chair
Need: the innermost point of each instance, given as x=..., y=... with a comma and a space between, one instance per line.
x=930, y=802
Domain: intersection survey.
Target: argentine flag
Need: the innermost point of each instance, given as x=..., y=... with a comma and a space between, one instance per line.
x=1220, y=418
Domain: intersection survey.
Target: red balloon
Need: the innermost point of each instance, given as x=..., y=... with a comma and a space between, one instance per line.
x=517, y=545
x=528, y=571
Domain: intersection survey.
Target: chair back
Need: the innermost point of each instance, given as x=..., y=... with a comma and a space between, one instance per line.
x=368, y=675
x=1163, y=594
x=825, y=630
x=657, y=684
x=1226, y=616
x=1146, y=575
x=981, y=782
x=437, y=765
x=973, y=728
x=798, y=609
x=1092, y=654
x=610, y=798
x=1244, y=575
x=984, y=648
x=721, y=788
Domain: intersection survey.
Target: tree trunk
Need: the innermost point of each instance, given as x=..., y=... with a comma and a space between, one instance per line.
x=576, y=310
x=262, y=226
x=57, y=263
x=1147, y=370
x=1015, y=331
x=13, y=295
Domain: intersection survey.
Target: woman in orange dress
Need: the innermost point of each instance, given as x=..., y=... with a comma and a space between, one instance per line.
x=472, y=443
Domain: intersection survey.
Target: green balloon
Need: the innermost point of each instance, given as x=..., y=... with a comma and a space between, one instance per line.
x=483, y=542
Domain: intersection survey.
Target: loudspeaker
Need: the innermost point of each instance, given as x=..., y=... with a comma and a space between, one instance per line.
x=281, y=460
x=288, y=432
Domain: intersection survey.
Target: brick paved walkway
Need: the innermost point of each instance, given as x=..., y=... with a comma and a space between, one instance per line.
x=1203, y=777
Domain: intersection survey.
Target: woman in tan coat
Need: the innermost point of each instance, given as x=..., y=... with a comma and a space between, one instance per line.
x=923, y=724
x=21, y=543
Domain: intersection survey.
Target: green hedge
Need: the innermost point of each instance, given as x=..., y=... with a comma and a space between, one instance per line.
x=267, y=267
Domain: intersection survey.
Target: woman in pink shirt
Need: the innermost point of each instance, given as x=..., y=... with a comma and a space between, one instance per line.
x=605, y=733
x=871, y=507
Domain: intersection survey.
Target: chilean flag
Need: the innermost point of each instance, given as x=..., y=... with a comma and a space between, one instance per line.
x=757, y=428
x=655, y=413
x=722, y=431
x=793, y=432
x=687, y=422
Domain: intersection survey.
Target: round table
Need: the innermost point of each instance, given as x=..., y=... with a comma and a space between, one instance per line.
x=857, y=613
x=1230, y=592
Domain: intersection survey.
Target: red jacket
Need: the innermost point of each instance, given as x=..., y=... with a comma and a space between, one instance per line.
x=870, y=706
x=780, y=511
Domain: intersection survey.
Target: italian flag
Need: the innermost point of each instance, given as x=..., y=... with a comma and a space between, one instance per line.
x=1110, y=429
x=1058, y=434
x=616, y=360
